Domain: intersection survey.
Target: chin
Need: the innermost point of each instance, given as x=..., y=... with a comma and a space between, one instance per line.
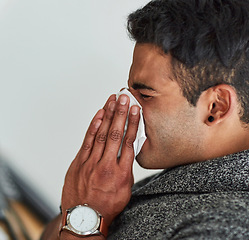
x=143, y=161
x=153, y=161
x=139, y=158
x=142, y=157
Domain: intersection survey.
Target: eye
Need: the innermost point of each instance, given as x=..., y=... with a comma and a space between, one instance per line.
x=144, y=96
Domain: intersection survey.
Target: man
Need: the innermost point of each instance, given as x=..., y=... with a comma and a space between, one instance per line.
x=190, y=73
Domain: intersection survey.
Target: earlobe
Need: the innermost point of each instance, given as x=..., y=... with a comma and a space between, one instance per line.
x=221, y=100
x=210, y=119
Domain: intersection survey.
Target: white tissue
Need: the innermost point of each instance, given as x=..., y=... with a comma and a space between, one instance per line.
x=141, y=137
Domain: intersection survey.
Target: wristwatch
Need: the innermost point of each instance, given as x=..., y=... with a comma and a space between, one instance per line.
x=83, y=221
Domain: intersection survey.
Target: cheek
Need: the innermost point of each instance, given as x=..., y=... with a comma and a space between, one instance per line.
x=147, y=115
x=163, y=127
x=153, y=122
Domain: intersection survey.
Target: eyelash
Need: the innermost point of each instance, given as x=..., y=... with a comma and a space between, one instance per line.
x=145, y=96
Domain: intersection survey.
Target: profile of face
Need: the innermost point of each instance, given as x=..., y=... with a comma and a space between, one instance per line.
x=174, y=129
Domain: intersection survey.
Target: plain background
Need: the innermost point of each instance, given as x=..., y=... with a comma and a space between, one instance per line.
x=59, y=62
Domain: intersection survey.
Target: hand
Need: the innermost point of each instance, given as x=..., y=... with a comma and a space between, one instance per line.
x=97, y=176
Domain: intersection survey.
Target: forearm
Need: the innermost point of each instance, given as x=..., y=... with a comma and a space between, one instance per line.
x=51, y=232
x=52, y=229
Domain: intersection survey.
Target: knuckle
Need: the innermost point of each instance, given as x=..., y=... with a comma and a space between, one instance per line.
x=109, y=117
x=134, y=121
x=116, y=135
x=129, y=142
x=92, y=133
x=121, y=112
x=107, y=172
x=86, y=146
x=101, y=138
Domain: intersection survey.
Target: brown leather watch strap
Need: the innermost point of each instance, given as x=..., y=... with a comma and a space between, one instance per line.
x=62, y=223
x=103, y=228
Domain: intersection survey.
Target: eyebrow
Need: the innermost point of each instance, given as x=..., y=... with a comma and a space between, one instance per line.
x=141, y=86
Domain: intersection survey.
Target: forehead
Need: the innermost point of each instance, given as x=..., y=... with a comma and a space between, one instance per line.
x=150, y=66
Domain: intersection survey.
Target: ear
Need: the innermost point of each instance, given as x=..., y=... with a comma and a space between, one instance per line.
x=219, y=103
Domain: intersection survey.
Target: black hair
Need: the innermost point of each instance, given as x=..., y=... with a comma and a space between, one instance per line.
x=208, y=40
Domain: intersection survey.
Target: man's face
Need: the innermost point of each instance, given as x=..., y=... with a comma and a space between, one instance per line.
x=173, y=129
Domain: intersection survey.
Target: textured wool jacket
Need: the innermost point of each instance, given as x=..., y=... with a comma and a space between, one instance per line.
x=205, y=200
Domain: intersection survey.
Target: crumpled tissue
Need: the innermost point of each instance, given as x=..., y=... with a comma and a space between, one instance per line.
x=141, y=137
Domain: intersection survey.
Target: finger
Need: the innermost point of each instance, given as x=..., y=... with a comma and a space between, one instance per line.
x=127, y=152
x=101, y=137
x=116, y=130
x=110, y=99
x=88, y=142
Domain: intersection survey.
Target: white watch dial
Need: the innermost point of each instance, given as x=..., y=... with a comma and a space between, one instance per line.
x=83, y=219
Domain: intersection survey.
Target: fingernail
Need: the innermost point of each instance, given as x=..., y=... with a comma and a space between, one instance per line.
x=112, y=106
x=135, y=110
x=123, y=99
x=97, y=123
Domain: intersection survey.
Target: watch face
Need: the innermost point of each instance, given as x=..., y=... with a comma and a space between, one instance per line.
x=83, y=220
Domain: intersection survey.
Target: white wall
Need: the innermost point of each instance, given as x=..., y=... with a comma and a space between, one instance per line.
x=59, y=61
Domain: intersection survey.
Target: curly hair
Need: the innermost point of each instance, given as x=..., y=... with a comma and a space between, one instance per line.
x=208, y=40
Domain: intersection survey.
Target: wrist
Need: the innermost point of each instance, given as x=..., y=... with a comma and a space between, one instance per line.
x=82, y=221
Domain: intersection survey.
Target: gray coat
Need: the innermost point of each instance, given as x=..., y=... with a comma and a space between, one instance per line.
x=205, y=200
